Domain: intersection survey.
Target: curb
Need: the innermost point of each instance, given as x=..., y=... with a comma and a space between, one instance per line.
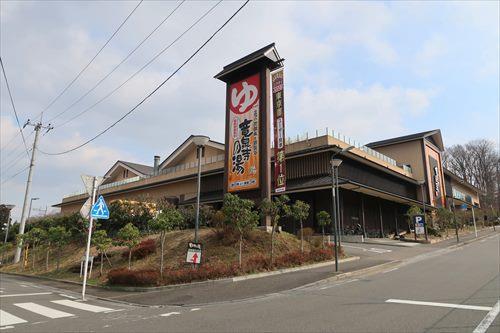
x=185, y=285
x=290, y=270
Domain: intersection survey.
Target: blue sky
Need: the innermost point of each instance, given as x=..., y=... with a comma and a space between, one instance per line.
x=371, y=70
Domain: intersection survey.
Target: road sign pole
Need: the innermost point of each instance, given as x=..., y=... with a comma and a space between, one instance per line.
x=474, y=219
x=87, y=252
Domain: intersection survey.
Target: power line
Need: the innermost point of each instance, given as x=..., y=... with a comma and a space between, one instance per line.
x=140, y=69
x=118, y=65
x=16, y=174
x=156, y=89
x=12, y=163
x=90, y=62
x=20, y=144
x=14, y=107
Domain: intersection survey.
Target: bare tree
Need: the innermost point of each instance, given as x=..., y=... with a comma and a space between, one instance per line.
x=477, y=162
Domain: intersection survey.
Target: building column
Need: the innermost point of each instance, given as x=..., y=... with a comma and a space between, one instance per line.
x=380, y=218
x=363, y=214
x=396, y=218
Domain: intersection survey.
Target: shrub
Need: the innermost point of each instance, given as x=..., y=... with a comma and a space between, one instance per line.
x=322, y=254
x=124, y=276
x=295, y=258
x=255, y=263
x=208, y=271
x=142, y=250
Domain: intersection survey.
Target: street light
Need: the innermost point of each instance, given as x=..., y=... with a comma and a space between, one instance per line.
x=29, y=211
x=200, y=141
x=422, y=183
x=335, y=163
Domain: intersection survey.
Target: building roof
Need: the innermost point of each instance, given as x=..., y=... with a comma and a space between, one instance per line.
x=459, y=179
x=434, y=135
x=139, y=169
x=268, y=54
x=178, y=151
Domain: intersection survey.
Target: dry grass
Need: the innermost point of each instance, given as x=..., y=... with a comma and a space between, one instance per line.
x=215, y=249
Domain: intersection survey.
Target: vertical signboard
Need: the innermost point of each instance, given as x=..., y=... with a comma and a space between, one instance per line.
x=244, y=134
x=436, y=181
x=279, y=131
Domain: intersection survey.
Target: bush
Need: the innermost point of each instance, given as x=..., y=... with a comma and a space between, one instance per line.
x=295, y=258
x=433, y=232
x=124, y=276
x=256, y=263
x=208, y=271
x=142, y=250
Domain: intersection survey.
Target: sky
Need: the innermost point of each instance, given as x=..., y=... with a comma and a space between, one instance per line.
x=369, y=70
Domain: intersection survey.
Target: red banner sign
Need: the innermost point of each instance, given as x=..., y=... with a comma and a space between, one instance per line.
x=279, y=132
x=244, y=131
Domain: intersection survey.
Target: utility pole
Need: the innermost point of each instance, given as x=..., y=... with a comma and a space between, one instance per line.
x=38, y=126
x=89, y=238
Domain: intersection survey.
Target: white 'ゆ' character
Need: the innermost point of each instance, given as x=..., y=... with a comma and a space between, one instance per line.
x=248, y=93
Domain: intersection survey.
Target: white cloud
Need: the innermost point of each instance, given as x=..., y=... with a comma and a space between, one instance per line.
x=362, y=114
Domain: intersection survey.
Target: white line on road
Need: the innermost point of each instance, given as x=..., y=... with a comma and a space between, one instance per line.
x=43, y=310
x=170, y=314
x=194, y=309
x=8, y=319
x=68, y=296
x=339, y=284
x=81, y=306
x=6, y=327
x=29, y=294
x=392, y=270
x=443, y=305
x=490, y=317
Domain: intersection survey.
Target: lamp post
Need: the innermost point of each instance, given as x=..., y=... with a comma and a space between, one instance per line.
x=29, y=211
x=340, y=229
x=200, y=141
x=422, y=183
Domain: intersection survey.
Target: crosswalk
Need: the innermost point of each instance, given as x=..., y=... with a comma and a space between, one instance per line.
x=53, y=309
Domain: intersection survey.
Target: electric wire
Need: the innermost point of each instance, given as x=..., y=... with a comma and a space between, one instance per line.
x=16, y=174
x=118, y=65
x=140, y=69
x=154, y=90
x=13, y=163
x=14, y=107
x=13, y=150
x=90, y=62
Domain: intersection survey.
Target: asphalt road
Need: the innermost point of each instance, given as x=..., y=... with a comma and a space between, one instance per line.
x=445, y=290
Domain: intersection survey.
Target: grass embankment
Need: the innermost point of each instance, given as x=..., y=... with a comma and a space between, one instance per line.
x=220, y=259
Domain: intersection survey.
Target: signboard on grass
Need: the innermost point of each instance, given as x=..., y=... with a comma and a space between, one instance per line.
x=193, y=253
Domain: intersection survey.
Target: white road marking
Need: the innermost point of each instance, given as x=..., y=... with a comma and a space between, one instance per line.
x=392, y=270
x=6, y=327
x=443, y=305
x=170, y=314
x=372, y=249
x=43, y=310
x=194, y=309
x=490, y=317
x=68, y=296
x=8, y=319
x=29, y=294
x=81, y=306
x=117, y=310
x=339, y=284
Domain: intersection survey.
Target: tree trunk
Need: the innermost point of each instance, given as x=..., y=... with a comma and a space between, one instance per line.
x=272, y=244
x=129, y=257
x=58, y=259
x=241, y=243
x=47, y=260
x=162, y=245
x=301, y=237
x=102, y=262
x=323, y=232
x=34, y=257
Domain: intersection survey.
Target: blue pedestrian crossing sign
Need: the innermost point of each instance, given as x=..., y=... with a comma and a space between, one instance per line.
x=100, y=209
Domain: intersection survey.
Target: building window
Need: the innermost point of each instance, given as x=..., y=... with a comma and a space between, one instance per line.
x=202, y=152
x=125, y=173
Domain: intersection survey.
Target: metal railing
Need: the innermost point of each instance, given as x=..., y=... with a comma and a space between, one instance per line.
x=346, y=139
x=177, y=168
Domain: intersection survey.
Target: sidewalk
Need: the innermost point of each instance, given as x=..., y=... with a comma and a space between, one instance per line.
x=227, y=290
